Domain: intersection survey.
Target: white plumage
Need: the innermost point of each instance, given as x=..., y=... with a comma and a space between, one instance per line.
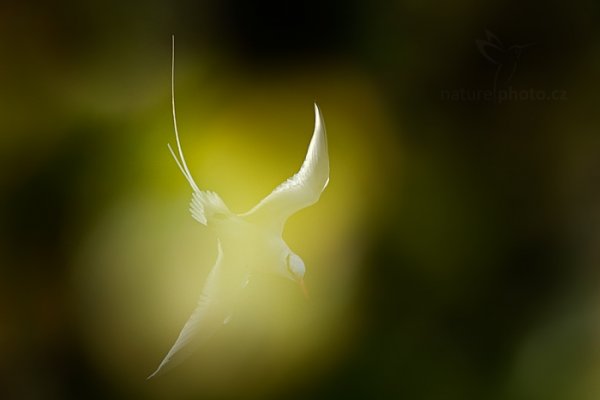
x=248, y=242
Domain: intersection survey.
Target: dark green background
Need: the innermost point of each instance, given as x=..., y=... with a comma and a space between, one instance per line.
x=483, y=278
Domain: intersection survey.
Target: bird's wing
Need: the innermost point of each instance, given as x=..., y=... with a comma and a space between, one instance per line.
x=203, y=322
x=301, y=190
x=204, y=205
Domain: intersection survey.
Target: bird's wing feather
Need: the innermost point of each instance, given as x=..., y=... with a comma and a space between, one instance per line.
x=204, y=204
x=205, y=319
x=301, y=190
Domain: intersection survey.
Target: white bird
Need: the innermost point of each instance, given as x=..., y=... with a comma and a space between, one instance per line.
x=249, y=242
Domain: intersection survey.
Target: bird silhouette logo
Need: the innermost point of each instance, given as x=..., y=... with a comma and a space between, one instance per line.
x=506, y=58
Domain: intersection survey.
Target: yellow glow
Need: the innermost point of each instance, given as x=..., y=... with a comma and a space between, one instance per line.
x=145, y=264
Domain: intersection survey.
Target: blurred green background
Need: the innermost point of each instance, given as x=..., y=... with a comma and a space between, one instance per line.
x=470, y=227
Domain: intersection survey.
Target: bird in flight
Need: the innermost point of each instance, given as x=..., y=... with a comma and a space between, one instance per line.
x=247, y=243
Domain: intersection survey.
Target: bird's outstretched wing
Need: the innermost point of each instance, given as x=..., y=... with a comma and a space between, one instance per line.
x=203, y=322
x=204, y=204
x=301, y=190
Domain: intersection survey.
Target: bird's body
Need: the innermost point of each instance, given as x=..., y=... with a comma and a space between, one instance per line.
x=248, y=244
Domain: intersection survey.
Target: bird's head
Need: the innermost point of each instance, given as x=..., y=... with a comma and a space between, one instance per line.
x=295, y=269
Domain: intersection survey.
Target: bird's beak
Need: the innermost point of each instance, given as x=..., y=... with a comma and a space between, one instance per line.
x=303, y=287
